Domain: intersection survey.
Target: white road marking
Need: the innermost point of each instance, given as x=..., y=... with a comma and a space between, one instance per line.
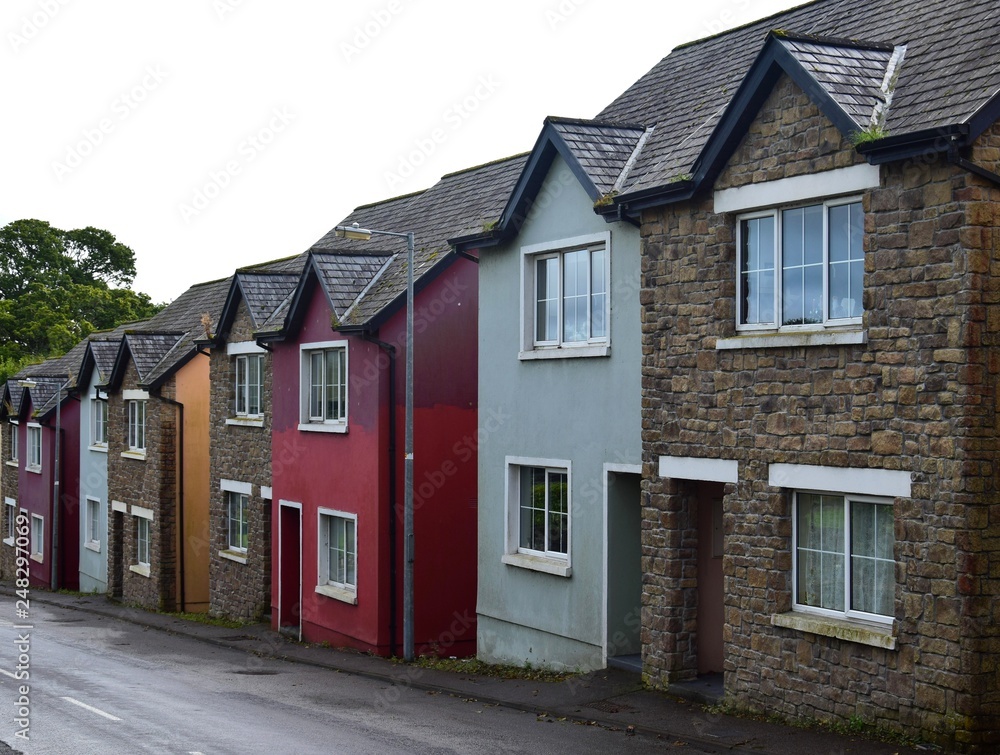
x=92, y=709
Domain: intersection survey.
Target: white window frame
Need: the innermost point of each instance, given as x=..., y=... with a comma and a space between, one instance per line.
x=10, y=510
x=244, y=391
x=556, y=348
x=34, y=461
x=38, y=538
x=99, y=422
x=343, y=591
x=309, y=420
x=777, y=214
x=848, y=612
x=136, y=435
x=92, y=524
x=243, y=499
x=14, y=441
x=550, y=562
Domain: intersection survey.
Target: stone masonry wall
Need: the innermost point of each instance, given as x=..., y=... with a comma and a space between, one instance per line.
x=150, y=483
x=920, y=396
x=243, y=454
x=8, y=489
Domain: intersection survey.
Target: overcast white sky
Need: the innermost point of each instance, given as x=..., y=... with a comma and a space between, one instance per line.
x=209, y=134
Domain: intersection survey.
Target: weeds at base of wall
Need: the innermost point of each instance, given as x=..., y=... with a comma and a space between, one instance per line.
x=204, y=618
x=855, y=726
x=494, y=670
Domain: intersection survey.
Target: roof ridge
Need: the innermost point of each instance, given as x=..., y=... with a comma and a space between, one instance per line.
x=858, y=44
x=509, y=158
x=250, y=268
x=380, y=202
x=269, y=272
x=593, y=122
x=741, y=27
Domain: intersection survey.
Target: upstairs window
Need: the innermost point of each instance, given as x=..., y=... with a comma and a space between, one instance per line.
x=13, y=441
x=324, y=387
x=567, y=303
x=137, y=426
x=34, y=462
x=801, y=267
x=249, y=385
x=99, y=424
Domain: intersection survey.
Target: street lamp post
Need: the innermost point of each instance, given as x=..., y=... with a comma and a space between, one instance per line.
x=356, y=232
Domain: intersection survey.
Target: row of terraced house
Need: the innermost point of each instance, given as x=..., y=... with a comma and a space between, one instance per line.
x=709, y=383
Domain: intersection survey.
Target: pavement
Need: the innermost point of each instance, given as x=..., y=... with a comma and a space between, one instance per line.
x=613, y=698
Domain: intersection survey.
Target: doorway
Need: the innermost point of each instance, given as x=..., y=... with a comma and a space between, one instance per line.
x=711, y=595
x=290, y=569
x=623, y=569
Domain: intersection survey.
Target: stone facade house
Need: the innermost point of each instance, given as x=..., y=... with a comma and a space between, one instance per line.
x=338, y=397
x=820, y=210
x=240, y=442
x=11, y=443
x=559, y=406
x=158, y=456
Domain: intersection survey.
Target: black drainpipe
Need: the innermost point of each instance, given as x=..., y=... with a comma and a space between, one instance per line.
x=391, y=351
x=955, y=159
x=182, y=603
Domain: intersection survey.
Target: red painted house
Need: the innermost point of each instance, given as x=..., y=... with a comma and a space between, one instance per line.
x=45, y=474
x=338, y=356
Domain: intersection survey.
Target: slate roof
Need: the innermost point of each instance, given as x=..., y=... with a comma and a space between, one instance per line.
x=950, y=74
x=264, y=293
x=601, y=149
x=459, y=204
x=104, y=353
x=169, y=339
x=13, y=392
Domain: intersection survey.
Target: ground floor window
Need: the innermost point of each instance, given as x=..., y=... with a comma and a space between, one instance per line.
x=93, y=524
x=544, y=511
x=37, y=537
x=239, y=526
x=338, y=550
x=10, y=511
x=142, y=541
x=844, y=562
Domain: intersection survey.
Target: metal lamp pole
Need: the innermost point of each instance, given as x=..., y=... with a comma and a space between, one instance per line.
x=356, y=232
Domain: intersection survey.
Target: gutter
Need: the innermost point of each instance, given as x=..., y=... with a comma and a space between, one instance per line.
x=389, y=349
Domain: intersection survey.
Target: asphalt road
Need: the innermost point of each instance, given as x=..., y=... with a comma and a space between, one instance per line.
x=100, y=685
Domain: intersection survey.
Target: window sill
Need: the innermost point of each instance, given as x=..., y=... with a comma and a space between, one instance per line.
x=564, y=352
x=33, y=470
x=12, y=463
x=137, y=455
x=554, y=566
x=862, y=632
x=338, y=593
x=8, y=541
x=93, y=545
x=38, y=557
x=141, y=569
x=310, y=427
x=237, y=556
x=245, y=422
x=100, y=448
x=776, y=340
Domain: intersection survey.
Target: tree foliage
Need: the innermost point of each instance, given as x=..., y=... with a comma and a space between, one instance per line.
x=57, y=287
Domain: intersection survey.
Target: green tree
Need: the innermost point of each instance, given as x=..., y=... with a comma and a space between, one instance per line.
x=56, y=287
